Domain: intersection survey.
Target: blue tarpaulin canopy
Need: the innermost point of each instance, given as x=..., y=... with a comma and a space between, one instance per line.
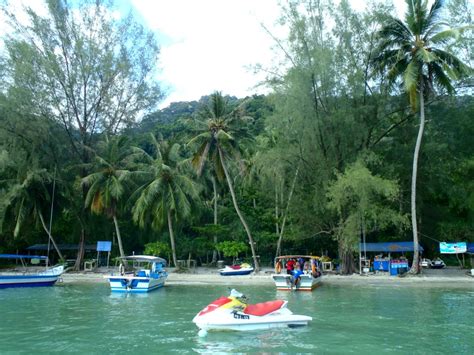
x=470, y=248
x=87, y=247
x=391, y=247
x=16, y=256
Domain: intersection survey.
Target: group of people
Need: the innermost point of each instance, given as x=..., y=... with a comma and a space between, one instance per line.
x=297, y=267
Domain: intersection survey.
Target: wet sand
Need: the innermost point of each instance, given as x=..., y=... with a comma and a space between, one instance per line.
x=450, y=277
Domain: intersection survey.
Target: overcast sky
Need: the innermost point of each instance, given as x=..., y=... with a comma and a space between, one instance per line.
x=208, y=45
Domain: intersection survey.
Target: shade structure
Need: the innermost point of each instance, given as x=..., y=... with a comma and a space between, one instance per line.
x=389, y=247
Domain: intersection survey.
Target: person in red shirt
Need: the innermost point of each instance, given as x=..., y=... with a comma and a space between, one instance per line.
x=290, y=264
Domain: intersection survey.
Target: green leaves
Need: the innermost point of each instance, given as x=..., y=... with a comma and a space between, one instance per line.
x=232, y=248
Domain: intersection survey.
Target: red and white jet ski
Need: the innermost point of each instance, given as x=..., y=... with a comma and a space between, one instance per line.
x=233, y=313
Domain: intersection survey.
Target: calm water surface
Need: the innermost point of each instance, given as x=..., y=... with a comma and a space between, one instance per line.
x=87, y=318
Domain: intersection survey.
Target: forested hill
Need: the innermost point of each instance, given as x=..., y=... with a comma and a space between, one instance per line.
x=175, y=111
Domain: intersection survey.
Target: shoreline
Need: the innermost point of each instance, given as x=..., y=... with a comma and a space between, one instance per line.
x=204, y=276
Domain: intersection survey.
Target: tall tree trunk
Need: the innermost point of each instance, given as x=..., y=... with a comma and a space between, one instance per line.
x=278, y=250
x=119, y=238
x=80, y=251
x=173, y=248
x=214, y=253
x=347, y=265
x=242, y=220
x=50, y=236
x=277, y=212
x=415, y=268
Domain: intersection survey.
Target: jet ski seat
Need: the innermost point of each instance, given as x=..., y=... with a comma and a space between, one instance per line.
x=261, y=309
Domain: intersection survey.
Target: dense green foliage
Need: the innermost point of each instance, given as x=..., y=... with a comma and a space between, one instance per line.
x=322, y=162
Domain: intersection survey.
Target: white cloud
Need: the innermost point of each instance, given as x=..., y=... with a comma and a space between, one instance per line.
x=209, y=44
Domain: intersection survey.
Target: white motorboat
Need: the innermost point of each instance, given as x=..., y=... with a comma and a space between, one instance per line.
x=242, y=269
x=27, y=278
x=305, y=277
x=148, y=275
x=234, y=313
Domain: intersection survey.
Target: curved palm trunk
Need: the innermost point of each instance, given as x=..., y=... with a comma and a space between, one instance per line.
x=119, y=237
x=81, y=250
x=173, y=248
x=50, y=236
x=280, y=238
x=415, y=268
x=242, y=220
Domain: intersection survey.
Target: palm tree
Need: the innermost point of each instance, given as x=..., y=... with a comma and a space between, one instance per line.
x=27, y=196
x=216, y=141
x=412, y=51
x=107, y=185
x=167, y=193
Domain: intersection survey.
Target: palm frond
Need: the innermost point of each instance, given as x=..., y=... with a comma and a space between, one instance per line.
x=425, y=56
x=432, y=18
x=453, y=62
x=411, y=76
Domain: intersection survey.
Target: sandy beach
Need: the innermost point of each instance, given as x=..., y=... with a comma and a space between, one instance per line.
x=449, y=277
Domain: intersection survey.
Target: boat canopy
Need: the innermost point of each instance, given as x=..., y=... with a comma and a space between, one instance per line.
x=392, y=247
x=149, y=258
x=297, y=257
x=16, y=256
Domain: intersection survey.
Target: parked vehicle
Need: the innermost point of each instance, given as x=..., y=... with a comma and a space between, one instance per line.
x=426, y=263
x=437, y=264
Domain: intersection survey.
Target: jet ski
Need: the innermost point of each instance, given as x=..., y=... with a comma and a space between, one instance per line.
x=234, y=313
x=243, y=269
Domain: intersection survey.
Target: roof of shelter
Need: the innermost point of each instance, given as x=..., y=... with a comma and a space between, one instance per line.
x=389, y=247
x=470, y=248
x=87, y=247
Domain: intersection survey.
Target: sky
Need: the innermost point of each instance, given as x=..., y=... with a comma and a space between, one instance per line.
x=208, y=45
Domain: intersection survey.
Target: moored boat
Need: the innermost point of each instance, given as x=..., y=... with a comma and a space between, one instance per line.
x=148, y=275
x=234, y=313
x=306, y=275
x=242, y=269
x=27, y=278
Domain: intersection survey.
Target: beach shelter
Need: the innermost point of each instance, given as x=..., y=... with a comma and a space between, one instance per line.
x=386, y=247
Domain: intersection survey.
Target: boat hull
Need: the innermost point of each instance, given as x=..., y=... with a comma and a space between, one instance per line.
x=306, y=283
x=231, y=271
x=135, y=284
x=41, y=279
x=256, y=324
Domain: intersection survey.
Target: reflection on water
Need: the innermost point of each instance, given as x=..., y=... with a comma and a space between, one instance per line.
x=78, y=317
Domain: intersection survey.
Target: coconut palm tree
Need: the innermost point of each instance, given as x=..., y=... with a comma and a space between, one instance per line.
x=26, y=198
x=108, y=184
x=167, y=193
x=412, y=52
x=216, y=141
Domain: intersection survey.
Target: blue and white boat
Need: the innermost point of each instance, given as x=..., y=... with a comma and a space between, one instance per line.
x=26, y=278
x=148, y=275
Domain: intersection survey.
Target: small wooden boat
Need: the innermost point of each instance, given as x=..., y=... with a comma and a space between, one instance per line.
x=148, y=275
x=26, y=278
x=304, y=278
x=242, y=269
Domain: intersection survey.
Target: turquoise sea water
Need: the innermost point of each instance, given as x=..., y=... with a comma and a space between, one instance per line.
x=87, y=318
